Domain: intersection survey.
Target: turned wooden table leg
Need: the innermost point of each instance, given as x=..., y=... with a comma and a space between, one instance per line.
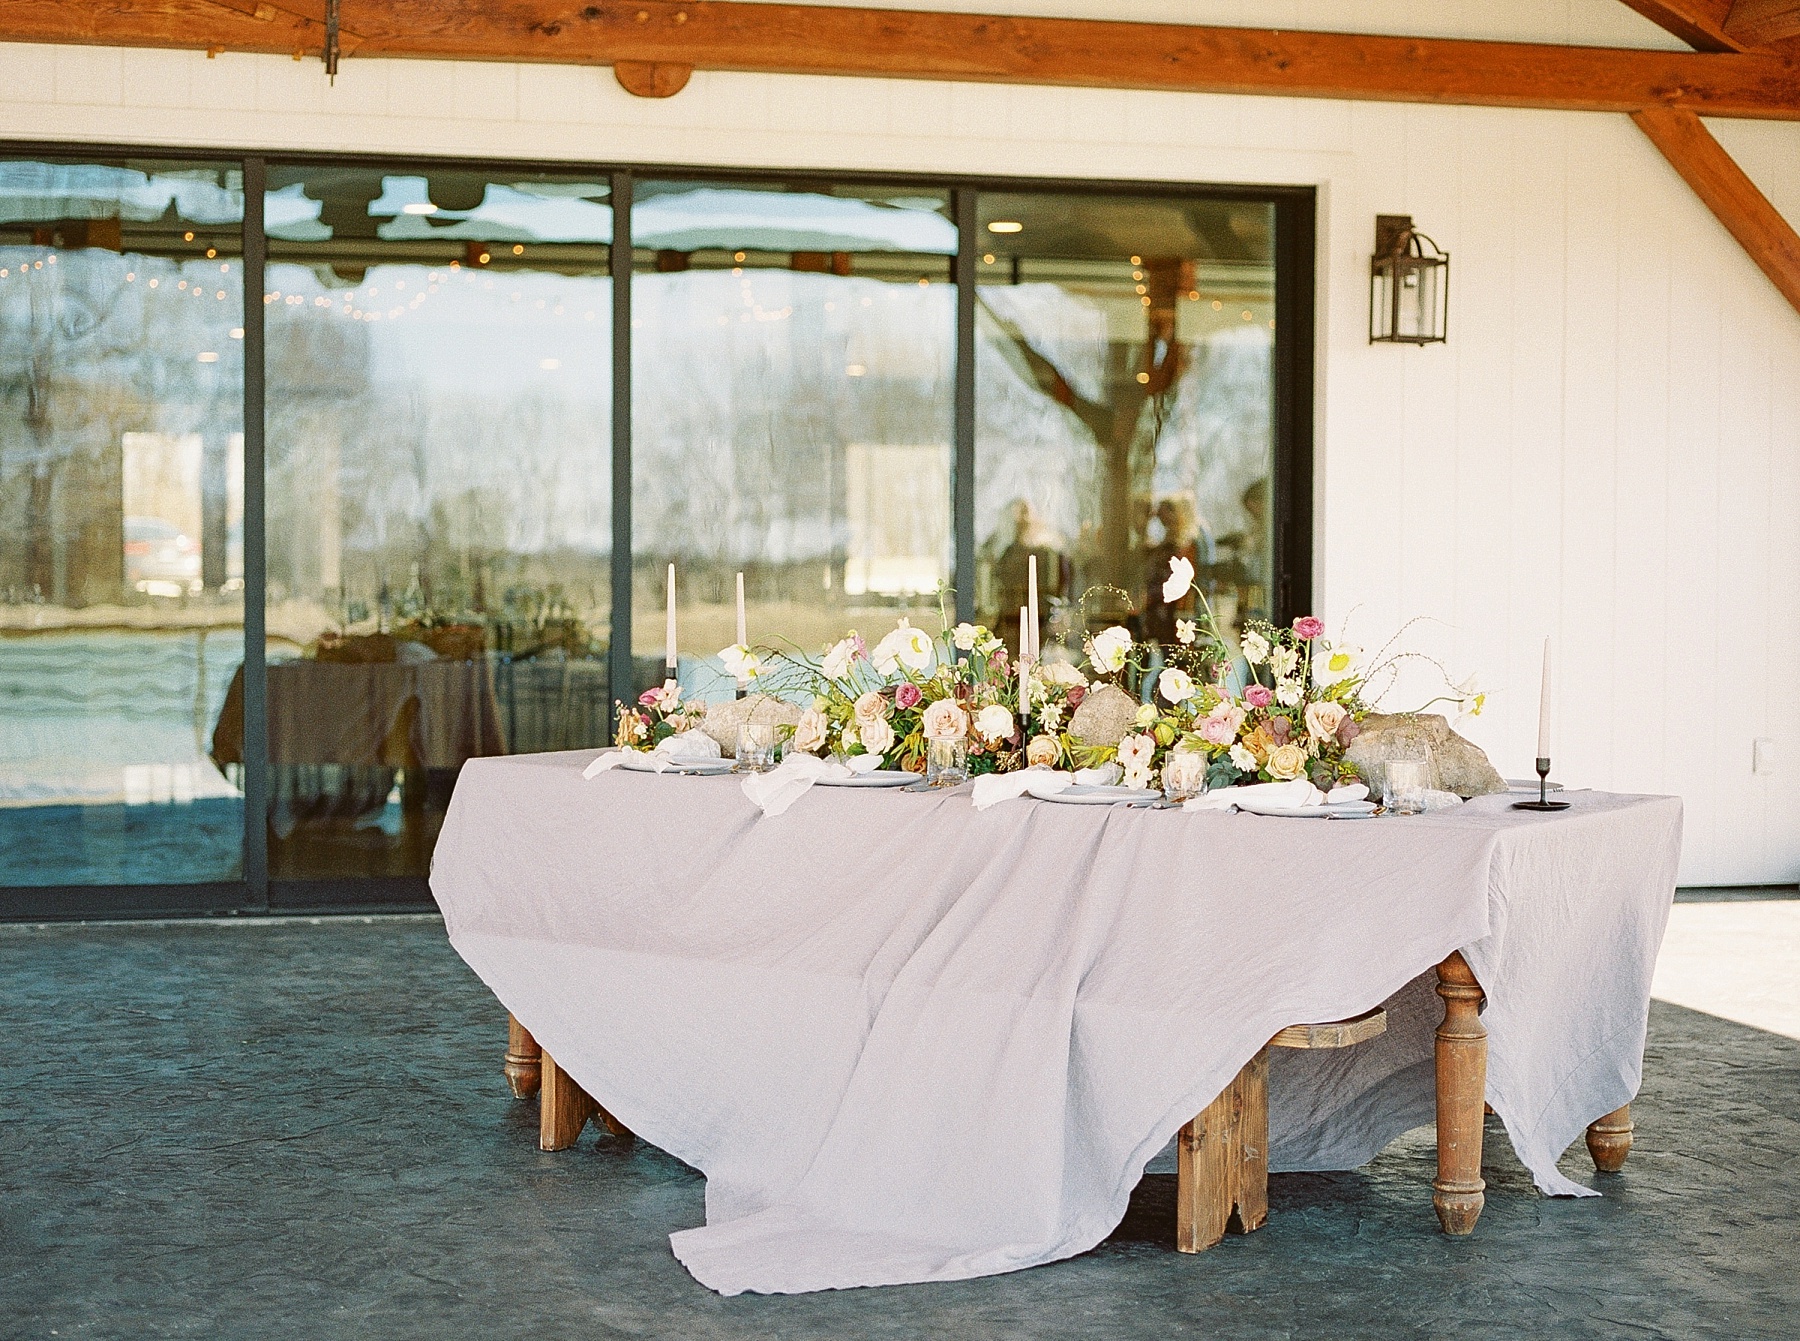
x=523, y=1069
x=1458, y=1191
x=564, y=1109
x=1609, y=1140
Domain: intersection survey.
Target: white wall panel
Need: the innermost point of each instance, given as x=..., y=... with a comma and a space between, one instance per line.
x=1608, y=449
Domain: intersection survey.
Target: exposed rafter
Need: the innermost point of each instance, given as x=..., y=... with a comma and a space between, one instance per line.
x=829, y=39
x=1764, y=23
x=1717, y=179
x=1699, y=23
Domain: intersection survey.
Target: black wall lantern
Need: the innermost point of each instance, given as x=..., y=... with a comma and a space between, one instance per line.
x=1409, y=285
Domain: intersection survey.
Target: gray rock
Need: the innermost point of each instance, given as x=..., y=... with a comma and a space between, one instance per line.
x=1455, y=765
x=1104, y=716
x=724, y=719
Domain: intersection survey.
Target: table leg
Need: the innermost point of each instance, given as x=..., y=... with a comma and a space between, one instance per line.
x=1222, y=1163
x=523, y=1068
x=564, y=1109
x=1609, y=1140
x=1458, y=1190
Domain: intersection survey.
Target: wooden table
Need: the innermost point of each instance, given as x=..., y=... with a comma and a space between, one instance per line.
x=1457, y=1193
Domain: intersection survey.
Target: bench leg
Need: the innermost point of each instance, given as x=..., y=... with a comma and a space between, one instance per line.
x=523, y=1069
x=1222, y=1163
x=1458, y=1191
x=564, y=1109
x=1609, y=1140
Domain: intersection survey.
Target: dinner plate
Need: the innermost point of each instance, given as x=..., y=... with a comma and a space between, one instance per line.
x=1101, y=796
x=881, y=777
x=637, y=762
x=1342, y=810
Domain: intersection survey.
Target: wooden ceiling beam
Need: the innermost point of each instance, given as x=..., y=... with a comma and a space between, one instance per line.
x=1699, y=23
x=833, y=40
x=1717, y=179
x=1764, y=23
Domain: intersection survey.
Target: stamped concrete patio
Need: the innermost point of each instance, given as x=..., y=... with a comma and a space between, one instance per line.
x=299, y=1129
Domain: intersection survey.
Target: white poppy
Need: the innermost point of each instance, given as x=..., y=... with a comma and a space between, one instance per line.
x=740, y=662
x=905, y=646
x=1109, y=649
x=1180, y=580
x=838, y=658
x=1186, y=630
x=1334, y=661
x=1175, y=685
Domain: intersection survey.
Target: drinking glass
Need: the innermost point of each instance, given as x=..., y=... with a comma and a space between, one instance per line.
x=1403, y=786
x=756, y=747
x=1184, y=775
x=946, y=762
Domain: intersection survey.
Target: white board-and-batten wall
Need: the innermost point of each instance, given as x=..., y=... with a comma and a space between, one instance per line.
x=1606, y=451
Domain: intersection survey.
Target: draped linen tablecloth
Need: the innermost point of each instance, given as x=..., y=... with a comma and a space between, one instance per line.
x=908, y=1041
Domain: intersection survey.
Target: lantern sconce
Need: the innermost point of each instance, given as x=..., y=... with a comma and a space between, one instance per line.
x=1409, y=285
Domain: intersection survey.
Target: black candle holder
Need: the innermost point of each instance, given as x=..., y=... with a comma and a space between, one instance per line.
x=1543, y=802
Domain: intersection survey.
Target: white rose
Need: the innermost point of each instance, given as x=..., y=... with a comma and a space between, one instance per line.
x=1243, y=759
x=1179, y=581
x=837, y=660
x=809, y=734
x=965, y=636
x=944, y=720
x=1109, y=649
x=1175, y=685
x=994, y=723
x=871, y=707
x=878, y=737
x=1256, y=648
x=1042, y=750
x=1287, y=762
x=1324, y=718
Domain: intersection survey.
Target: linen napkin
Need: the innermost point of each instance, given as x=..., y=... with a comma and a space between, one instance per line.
x=687, y=747
x=1107, y=775
x=773, y=792
x=993, y=788
x=1281, y=795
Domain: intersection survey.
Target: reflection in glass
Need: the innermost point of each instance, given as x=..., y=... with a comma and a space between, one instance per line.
x=1124, y=408
x=121, y=516
x=792, y=390
x=439, y=514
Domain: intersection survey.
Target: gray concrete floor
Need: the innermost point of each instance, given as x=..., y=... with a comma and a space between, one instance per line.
x=294, y=1129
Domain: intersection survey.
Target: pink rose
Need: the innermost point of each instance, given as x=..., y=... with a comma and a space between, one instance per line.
x=1076, y=694
x=1259, y=696
x=650, y=697
x=907, y=695
x=1308, y=627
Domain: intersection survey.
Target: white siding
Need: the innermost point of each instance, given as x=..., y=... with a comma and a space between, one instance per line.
x=1608, y=449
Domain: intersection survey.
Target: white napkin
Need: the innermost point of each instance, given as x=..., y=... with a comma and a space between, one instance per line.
x=1282, y=795
x=1107, y=775
x=775, y=791
x=993, y=788
x=687, y=747
x=1349, y=791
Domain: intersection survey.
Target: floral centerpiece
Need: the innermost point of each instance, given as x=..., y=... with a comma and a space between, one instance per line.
x=660, y=713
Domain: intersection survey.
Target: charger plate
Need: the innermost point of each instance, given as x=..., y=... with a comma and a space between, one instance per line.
x=1342, y=810
x=881, y=777
x=637, y=762
x=1101, y=796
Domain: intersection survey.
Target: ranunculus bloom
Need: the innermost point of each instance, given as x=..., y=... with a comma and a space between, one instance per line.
x=965, y=636
x=1287, y=762
x=944, y=720
x=1180, y=580
x=878, y=736
x=871, y=707
x=809, y=734
x=1259, y=696
x=1309, y=627
x=1109, y=649
x=1175, y=685
x=994, y=723
x=1324, y=718
x=1042, y=750
x=1220, y=726
x=907, y=695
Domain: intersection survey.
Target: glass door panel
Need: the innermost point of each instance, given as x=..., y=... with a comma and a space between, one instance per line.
x=121, y=521
x=439, y=505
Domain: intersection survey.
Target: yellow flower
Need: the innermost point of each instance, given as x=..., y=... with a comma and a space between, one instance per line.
x=1287, y=762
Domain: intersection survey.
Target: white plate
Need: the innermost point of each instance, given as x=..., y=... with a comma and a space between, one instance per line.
x=1101, y=796
x=637, y=762
x=881, y=777
x=1342, y=810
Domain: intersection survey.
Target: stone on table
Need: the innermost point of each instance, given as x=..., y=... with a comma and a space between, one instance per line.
x=1452, y=763
x=1104, y=716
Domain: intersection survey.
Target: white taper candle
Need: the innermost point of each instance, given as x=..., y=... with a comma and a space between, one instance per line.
x=1031, y=604
x=1543, y=748
x=743, y=637
x=669, y=637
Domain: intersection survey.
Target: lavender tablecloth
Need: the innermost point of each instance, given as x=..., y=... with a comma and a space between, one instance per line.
x=908, y=1041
